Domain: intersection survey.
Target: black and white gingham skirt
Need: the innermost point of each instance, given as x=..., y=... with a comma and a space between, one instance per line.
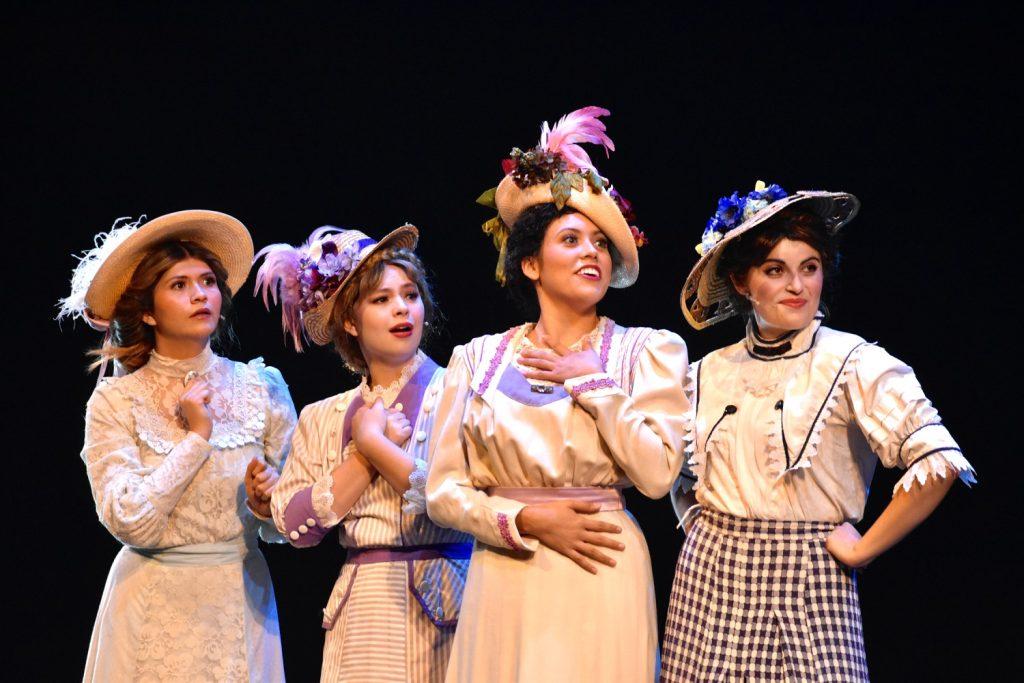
x=757, y=600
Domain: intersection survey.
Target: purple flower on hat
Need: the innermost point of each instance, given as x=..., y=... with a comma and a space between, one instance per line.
x=331, y=264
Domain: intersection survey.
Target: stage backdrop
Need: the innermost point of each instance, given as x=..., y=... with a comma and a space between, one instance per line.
x=291, y=118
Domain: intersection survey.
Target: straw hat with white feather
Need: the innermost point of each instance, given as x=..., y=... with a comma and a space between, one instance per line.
x=560, y=172
x=104, y=272
x=705, y=298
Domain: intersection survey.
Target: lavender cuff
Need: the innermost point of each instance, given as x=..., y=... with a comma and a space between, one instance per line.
x=301, y=527
x=591, y=384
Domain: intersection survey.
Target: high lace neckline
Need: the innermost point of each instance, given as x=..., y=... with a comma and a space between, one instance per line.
x=179, y=367
x=595, y=336
x=790, y=345
x=389, y=393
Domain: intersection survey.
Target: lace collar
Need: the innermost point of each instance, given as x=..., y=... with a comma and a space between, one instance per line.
x=390, y=392
x=596, y=336
x=790, y=345
x=175, y=367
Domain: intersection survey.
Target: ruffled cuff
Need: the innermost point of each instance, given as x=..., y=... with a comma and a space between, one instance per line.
x=300, y=523
x=323, y=501
x=589, y=386
x=936, y=464
x=415, y=496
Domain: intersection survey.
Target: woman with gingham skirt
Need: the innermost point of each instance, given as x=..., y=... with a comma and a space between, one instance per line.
x=786, y=428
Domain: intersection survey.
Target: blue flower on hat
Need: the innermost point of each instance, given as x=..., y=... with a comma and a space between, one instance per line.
x=734, y=209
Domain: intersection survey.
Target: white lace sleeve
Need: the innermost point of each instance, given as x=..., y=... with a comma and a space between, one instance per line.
x=280, y=423
x=133, y=501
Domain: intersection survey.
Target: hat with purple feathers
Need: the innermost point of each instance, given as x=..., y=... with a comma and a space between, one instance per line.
x=307, y=279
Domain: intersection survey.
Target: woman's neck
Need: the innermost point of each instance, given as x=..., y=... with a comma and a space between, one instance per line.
x=563, y=324
x=382, y=372
x=180, y=348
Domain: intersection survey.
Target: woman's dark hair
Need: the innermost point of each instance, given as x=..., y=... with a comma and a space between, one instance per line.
x=751, y=249
x=131, y=339
x=524, y=241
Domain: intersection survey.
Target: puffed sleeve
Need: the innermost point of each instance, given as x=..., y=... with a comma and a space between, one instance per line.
x=301, y=502
x=644, y=428
x=280, y=424
x=452, y=500
x=681, y=494
x=133, y=501
x=900, y=423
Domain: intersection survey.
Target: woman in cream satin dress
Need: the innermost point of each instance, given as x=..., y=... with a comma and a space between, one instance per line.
x=542, y=427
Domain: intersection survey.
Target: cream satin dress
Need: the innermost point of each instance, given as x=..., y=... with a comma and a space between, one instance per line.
x=529, y=613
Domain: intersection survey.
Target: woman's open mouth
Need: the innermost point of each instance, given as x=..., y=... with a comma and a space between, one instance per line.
x=402, y=330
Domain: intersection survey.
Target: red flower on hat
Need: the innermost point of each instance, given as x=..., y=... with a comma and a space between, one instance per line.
x=508, y=165
x=638, y=236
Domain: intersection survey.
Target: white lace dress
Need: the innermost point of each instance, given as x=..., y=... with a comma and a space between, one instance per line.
x=189, y=597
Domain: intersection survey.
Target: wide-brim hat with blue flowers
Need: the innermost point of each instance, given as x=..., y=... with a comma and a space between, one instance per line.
x=705, y=298
x=307, y=279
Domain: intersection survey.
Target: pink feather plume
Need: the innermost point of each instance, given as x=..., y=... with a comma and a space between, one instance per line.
x=278, y=279
x=576, y=127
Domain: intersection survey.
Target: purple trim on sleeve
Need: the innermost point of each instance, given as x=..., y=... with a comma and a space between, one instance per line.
x=296, y=515
x=606, y=342
x=496, y=359
x=506, y=533
x=592, y=385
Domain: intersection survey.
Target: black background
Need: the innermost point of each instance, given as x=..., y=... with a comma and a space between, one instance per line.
x=293, y=116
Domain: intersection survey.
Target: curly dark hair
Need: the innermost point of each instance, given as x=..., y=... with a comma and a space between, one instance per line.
x=525, y=240
x=750, y=250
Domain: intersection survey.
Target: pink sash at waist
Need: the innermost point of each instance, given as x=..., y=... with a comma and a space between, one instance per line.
x=607, y=497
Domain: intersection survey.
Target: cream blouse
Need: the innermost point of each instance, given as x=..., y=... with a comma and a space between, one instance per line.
x=791, y=429
x=618, y=428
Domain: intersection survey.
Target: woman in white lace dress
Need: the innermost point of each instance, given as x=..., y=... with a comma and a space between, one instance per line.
x=392, y=613
x=787, y=428
x=181, y=450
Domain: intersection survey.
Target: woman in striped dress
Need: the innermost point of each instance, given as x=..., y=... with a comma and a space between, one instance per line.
x=392, y=613
x=788, y=426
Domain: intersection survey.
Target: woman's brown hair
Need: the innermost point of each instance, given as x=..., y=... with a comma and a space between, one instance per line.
x=131, y=340
x=366, y=280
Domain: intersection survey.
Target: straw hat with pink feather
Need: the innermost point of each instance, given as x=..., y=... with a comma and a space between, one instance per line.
x=560, y=172
x=104, y=272
x=307, y=279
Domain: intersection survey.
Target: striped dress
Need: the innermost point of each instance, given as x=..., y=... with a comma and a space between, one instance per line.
x=385, y=621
